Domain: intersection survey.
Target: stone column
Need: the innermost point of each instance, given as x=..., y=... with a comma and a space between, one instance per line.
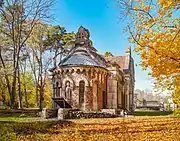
x=98, y=91
x=100, y=95
x=88, y=99
x=95, y=89
x=112, y=92
x=128, y=101
x=127, y=94
x=97, y=97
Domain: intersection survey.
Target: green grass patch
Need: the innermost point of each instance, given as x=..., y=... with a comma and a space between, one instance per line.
x=24, y=113
x=19, y=117
x=153, y=113
x=29, y=128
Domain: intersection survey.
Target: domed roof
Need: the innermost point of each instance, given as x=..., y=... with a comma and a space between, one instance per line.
x=82, y=56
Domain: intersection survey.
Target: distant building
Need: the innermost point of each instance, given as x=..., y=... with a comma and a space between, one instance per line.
x=88, y=81
x=149, y=104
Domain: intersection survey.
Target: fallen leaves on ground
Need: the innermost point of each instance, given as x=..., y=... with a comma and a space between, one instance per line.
x=111, y=129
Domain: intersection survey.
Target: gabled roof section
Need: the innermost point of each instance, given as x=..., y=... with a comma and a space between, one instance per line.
x=120, y=60
x=123, y=61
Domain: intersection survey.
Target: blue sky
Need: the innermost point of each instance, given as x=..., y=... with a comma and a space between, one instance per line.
x=101, y=18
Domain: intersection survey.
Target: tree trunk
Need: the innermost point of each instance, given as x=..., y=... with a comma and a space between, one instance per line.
x=6, y=76
x=41, y=83
x=41, y=98
x=37, y=97
x=26, y=97
x=13, y=91
x=19, y=90
x=41, y=92
x=3, y=98
x=24, y=84
x=16, y=70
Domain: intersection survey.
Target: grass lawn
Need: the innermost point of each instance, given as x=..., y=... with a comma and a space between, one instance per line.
x=152, y=113
x=17, y=117
x=112, y=129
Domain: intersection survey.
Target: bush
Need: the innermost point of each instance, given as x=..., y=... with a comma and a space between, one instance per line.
x=177, y=112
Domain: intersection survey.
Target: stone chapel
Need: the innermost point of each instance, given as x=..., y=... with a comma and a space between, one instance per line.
x=88, y=81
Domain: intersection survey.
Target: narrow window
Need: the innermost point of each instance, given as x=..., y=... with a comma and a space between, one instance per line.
x=57, y=89
x=81, y=91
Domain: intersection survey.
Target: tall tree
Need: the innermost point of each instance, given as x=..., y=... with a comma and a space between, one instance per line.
x=59, y=40
x=108, y=54
x=23, y=77
x=17, y=20
x=43, y=38
x=154, y=28
x=39, y=63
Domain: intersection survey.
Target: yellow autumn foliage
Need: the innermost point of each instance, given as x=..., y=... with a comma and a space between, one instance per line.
x=158, y=41
x=147, y=8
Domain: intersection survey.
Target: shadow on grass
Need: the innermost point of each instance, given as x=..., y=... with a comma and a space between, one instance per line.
x=32, y=127
x=153, y=113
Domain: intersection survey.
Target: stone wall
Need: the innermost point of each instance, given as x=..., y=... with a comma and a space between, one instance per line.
x=95, y=83
x=75, y=114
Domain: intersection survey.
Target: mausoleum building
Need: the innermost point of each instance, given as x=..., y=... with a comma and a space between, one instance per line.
x=88, y=81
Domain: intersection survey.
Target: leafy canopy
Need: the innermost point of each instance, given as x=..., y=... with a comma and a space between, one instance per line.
x=154, y=27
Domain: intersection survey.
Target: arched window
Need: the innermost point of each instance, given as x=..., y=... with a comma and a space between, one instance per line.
x=81, y=91
x=67, y=88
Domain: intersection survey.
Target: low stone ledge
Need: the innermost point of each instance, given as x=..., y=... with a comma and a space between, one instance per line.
x=110, y=111
x=49, y=113
x=81, y=114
